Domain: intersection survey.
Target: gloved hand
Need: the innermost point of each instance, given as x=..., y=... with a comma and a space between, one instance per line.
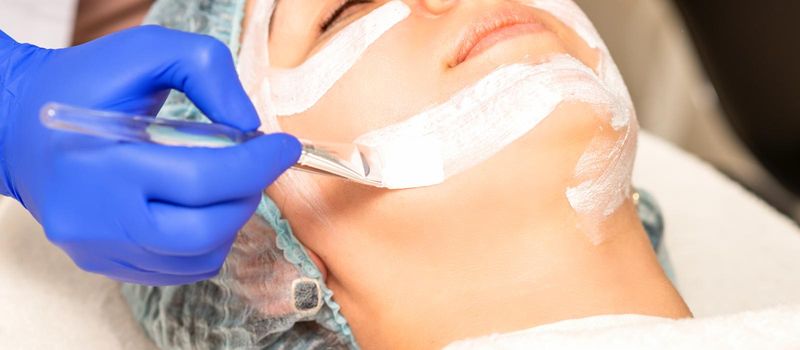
x=139, y=213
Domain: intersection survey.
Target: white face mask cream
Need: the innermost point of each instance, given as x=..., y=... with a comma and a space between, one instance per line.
x=479, y=121
x=605, y=169
x=298, y=89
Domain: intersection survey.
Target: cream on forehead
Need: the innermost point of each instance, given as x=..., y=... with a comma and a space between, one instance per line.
x=298, y=89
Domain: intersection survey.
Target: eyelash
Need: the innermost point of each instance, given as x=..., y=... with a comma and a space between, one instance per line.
x=336, y=15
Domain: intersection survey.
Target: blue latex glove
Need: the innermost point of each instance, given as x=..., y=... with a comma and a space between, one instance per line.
x=139, y=213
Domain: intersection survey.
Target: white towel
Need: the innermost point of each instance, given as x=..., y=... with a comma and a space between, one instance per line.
x=776, y=328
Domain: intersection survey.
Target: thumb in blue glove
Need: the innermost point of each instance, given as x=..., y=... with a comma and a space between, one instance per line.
x=139, y=213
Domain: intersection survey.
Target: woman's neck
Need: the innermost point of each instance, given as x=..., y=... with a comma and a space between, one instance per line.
x=525, y=278
x=496, y=249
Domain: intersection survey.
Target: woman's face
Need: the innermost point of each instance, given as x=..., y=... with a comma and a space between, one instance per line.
x=391, y=256
x=415, y=65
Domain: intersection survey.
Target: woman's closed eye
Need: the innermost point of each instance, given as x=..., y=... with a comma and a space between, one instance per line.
x=346, y=9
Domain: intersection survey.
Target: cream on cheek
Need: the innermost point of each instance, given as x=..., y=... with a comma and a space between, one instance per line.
x=296, y=90
x=604, y=171
x=482, y=119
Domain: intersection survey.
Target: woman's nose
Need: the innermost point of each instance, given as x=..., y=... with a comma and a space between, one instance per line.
x=438, y=7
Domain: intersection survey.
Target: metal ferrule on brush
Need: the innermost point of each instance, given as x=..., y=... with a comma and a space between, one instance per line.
x=341, y=160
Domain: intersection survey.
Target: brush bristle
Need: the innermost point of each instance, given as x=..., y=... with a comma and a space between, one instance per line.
x=410, y=162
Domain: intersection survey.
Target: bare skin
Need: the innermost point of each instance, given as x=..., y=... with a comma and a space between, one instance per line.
x=495, y=249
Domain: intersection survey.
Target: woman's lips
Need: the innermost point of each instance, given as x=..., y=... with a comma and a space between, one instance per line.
x=502, y=25
x=503, y=34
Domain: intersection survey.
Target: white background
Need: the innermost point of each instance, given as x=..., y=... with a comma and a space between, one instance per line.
x=46, y=23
